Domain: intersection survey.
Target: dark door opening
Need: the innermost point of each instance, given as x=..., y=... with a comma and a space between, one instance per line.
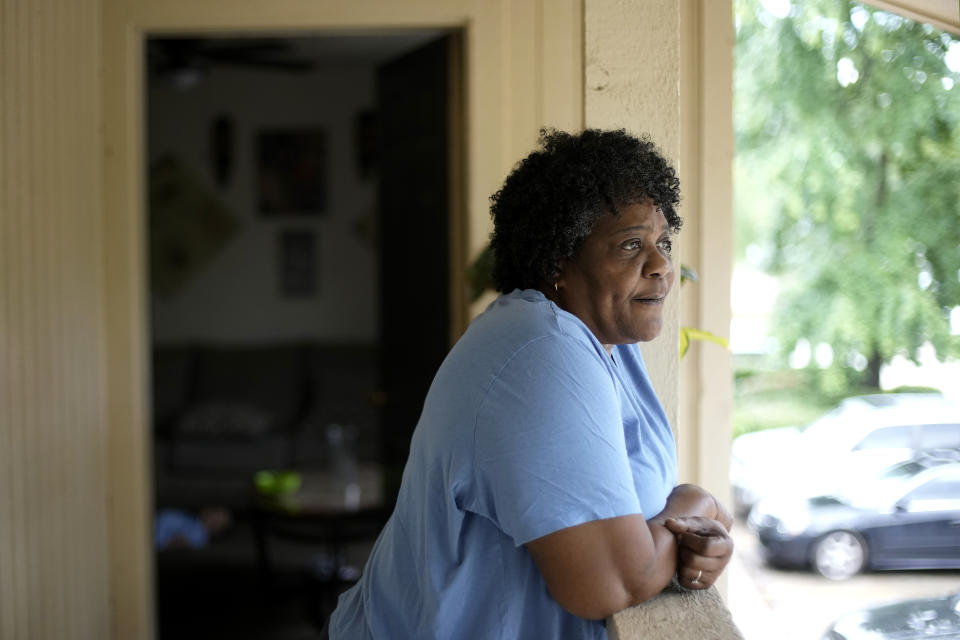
x=414, y=252
x=300, y=304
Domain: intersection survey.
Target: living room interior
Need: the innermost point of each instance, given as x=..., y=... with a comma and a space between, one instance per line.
x=273, y=258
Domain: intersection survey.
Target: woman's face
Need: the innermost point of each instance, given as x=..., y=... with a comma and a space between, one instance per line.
x=617, y=282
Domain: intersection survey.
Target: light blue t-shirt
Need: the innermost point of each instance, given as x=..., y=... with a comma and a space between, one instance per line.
x=529, y=427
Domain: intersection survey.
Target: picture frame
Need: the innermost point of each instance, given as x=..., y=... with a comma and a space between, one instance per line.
x=291, y=172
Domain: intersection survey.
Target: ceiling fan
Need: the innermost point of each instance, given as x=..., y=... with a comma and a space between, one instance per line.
x=186, y=60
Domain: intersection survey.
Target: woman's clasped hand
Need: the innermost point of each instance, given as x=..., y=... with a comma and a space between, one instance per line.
x=701, y=527
x=705, y=548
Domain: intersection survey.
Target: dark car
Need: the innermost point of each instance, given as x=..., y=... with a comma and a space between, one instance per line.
x=907, y=517
x=922, y=618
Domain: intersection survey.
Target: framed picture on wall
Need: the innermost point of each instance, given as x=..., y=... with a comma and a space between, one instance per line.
x=292, y=172
x=189, y=225
x=298, y=264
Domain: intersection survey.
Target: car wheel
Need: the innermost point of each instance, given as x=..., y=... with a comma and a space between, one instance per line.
x=839, y=555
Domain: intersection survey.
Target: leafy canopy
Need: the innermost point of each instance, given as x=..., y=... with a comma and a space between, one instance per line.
x=847, y=123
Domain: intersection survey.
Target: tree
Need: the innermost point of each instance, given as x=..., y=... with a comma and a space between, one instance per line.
x=847, y=124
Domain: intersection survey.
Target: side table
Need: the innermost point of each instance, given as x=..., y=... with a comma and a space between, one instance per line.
x=330, y=510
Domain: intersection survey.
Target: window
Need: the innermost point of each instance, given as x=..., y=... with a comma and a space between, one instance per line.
x=935, y=436
x=940, y=494
x=904, y=437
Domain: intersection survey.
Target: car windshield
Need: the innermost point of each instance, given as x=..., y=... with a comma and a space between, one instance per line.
x=903, y=470
x=824, y=429
x=872, y=494
x=883, y=489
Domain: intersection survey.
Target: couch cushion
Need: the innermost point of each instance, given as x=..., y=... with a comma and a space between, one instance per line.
x=224, y=421
x=270, y=379
x=230, y=456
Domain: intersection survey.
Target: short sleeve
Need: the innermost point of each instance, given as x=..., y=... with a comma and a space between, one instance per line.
x=549, y=442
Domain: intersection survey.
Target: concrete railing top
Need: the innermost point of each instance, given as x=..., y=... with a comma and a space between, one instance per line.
x=676, y=614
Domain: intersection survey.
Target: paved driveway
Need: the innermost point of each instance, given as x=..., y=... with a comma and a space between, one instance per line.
x=776, y=604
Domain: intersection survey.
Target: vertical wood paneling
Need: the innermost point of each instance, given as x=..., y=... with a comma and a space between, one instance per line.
x=53, y=545
x=561, y=68
x=8, y=587
x=520, y=74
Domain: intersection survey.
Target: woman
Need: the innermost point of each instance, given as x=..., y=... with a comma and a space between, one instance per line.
x=541, y=449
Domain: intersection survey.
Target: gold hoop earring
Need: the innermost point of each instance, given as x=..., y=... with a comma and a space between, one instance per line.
x=556, y=289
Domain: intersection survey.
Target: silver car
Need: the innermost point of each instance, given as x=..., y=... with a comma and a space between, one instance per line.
x=918, y=619
x=861, y=436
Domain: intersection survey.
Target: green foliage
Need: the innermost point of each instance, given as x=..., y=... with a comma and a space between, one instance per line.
x=768, y=398
x=852, y=181
x=480, y=274
x=687, y=334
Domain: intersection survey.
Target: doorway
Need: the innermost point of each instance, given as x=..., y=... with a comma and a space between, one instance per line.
x=303, y=230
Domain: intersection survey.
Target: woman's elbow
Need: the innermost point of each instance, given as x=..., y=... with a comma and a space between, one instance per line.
x=603, y=601
x=597, y=607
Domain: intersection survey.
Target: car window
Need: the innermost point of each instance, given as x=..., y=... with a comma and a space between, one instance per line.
x=824, y=425
x=940, y=436
x=831, y=430
x=902, y=470
x=940, y=494
x=901, y=437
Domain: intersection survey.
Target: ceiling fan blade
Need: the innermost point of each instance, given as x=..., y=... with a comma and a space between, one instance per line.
x=241, y=47
x=273, y=62
x=173, y=55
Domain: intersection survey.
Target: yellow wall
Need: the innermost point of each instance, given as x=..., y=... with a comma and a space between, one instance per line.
x=706, y=142
x=943, y=14
x=54, y=563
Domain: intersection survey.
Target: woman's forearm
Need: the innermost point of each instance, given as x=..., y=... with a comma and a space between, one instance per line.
x=684, y=501
x=598, y=568
x=661, y=568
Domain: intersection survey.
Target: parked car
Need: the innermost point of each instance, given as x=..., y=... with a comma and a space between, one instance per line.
x=921, y=618
x=907, y=517
x=861, y=436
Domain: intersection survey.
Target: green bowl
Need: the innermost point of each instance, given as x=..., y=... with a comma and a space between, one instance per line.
x=277, y=483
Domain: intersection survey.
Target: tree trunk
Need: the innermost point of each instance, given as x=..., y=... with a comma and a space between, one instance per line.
x=873, y=370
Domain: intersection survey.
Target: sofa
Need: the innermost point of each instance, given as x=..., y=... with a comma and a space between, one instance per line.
x=222, y=412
